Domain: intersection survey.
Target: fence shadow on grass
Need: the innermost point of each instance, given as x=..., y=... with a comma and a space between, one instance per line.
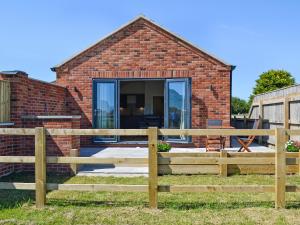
x=170, y=205
x=176, y=205
x=17, y=198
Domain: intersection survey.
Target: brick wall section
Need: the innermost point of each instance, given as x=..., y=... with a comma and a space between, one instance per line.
x=56, y=145
x=143, y=50
x=33, y=97
x=7, y=147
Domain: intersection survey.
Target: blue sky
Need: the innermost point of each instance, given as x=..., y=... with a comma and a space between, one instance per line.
x=253, y=35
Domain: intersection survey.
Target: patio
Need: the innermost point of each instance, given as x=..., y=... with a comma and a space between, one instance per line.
x=137, y=152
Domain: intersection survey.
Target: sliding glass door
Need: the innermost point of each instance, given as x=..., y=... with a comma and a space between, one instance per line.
x=105, y=107
x=177, y=106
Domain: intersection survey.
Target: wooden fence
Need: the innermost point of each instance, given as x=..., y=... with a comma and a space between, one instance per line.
x=156, y=161
x=278, y=109
x=4, y=101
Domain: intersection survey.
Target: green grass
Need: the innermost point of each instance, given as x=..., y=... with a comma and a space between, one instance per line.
x=70, y=207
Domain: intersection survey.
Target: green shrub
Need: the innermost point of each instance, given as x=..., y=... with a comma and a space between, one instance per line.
x=292, y=146
x=163, y=146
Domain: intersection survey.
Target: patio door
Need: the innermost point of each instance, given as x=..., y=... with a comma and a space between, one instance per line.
x=105, y=102
x=177, y=106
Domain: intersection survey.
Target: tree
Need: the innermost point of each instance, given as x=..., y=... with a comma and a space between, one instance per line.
x=239, y=106
x=270, y=81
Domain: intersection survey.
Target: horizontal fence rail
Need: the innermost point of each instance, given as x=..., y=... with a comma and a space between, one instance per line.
x=144, y=188
x=144, y=132
x=278, y=162
x=166, y=159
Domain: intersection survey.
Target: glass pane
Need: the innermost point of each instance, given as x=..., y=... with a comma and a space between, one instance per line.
x=105, y=107
x=177, y=106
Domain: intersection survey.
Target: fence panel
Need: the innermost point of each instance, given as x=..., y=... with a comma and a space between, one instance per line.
x=4, y=101
x=280, y=109
x=218, y=163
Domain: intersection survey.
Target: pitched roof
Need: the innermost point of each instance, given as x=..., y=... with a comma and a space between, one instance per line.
x=153, y=23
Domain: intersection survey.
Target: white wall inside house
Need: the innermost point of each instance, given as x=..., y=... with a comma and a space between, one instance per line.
x=148, y=88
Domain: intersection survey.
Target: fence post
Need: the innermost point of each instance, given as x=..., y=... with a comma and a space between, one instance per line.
x=223, y=166
x=40, y=167
x=74, y=153
x=261, y=120
x=280, y=168
x=245, y=122
x=286, y=124
x=152, y=158
x=299, y=162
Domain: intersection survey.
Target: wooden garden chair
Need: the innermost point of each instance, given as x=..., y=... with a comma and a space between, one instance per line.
x=214, y=142
x=246, y=142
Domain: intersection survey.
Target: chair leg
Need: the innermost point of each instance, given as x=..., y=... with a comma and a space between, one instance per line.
x=244, y=148
x=247, y=148
x=242, y=145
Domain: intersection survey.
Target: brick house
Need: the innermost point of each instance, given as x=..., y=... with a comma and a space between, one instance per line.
x=143, y=75
x=139, y=76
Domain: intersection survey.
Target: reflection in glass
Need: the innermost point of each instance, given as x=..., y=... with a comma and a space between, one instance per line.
x=177, y=106
x=105, y=106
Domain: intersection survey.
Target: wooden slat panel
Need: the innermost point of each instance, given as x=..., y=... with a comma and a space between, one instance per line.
x=17, y=186
x=188, y=160
x=144, y=188
x=216, y=188
x=98, y=187
x=259, y=169
x=93, y=160
x=224, y=132
x=187, y=154
x=251, y=154
x=17, y=131
x=143, y=132
x=17, y=159
x=214, y=161
x=4, y=101
x=292, y=154
x=293, y=132
x=216, y=154
x=230, y=154
x=95, y=132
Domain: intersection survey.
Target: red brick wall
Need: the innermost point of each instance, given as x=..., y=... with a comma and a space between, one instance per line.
x=33, y=97
x=7, y=147
x=143, y=50
x=55, y=145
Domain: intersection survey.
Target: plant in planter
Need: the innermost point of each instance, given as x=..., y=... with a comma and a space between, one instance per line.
x=292, y=146
x=163, y=146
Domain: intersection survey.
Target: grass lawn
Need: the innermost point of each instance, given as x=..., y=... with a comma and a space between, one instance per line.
x=70, y=207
